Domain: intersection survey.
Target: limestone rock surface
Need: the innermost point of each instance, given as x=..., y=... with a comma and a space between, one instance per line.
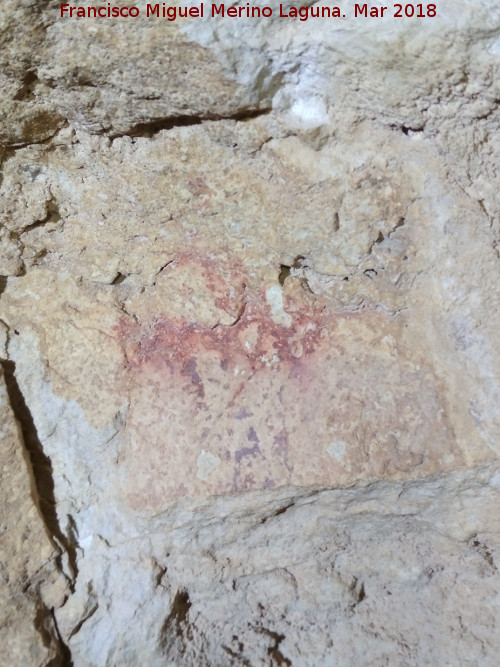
x=249, y=316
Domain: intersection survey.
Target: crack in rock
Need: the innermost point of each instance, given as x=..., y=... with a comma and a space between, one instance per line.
x=41, y=473
x=149, y=129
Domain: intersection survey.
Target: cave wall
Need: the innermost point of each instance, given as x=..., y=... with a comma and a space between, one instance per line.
x=249, y=324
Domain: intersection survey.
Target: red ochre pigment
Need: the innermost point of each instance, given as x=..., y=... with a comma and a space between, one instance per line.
x=254, y=340
x=235, y=390
x=256, y=404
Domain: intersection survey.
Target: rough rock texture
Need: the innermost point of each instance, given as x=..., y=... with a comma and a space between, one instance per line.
x=249, y=324
x=31, y=571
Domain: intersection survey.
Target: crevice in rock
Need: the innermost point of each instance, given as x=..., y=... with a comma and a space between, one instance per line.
x=52, y=215
x=177, y=622
x=85, y=618
x=118, y=279
x=160, y=271
x=12, y=146
x=358, y=592
x=46, y=625
x=237, y=655
x=370, y=273
x=378, y=240
x=160, y=572
x=236, y=320
x=398, y=224
x=484, y=551
x=27, y=87
x=336, y=222
x=279, y=511
x=41, y=473
x=151, y=128
x=64, y=659
x=381, y=238
x=406, y=129
x=264, y=143
x=286, y=270
x=120, y=305
x=483, y=208
x=273, y=651
x=284, y=274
